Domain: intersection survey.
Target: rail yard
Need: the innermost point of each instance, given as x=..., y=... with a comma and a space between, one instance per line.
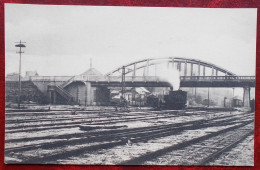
x=166, y=86
x=138, y=136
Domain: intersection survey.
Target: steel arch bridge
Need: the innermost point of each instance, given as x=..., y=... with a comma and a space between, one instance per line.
x=193, y=73
x=179, y=63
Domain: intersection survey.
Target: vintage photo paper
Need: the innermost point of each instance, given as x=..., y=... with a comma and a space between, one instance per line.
x=129, y=85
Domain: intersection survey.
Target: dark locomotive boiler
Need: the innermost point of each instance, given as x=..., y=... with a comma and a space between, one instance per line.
x=174, y=100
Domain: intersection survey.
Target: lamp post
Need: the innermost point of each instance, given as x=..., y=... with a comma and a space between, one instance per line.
x=20, y=46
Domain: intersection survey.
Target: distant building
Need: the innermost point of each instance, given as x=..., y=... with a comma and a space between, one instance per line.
x=15, y=76
x=12, y=77
x=28, y=74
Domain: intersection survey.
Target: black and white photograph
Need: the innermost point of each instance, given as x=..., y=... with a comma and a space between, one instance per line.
x=116, y=85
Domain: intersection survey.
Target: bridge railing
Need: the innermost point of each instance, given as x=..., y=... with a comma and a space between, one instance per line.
x=69, y=79
x=155, y=78
x=49, y=78
x=115, y=78
x=217, y=78
x=136, y=78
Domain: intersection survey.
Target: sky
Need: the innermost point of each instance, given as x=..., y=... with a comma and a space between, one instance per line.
x=60, y=40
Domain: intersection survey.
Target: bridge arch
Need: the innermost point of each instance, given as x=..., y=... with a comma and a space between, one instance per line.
x=179, y=63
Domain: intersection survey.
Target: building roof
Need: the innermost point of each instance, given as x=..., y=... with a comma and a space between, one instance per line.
x=31, y=73
x=92, y=72
x=141, y=90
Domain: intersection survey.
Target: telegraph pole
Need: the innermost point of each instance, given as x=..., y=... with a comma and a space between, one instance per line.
x=123, y=81
x=20, y=45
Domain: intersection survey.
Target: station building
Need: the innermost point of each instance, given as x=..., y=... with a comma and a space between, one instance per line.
x=49, y=90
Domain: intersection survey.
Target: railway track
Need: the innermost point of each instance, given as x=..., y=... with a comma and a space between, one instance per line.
x=116, y=116
x=137, y=134
x=93, y=141
x=24, y=127
x=74, y=124
x=198, y=151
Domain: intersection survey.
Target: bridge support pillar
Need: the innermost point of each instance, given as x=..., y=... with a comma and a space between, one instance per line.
x=134, y=71
x=246, y=97
x=147, y=67
x=185, y=68
x=173, y=64
x=52, y=96
x=191, y=69
x=144, y=72
x=88, y=94
x=155, y=70
x=199, y=69
x=179, y=63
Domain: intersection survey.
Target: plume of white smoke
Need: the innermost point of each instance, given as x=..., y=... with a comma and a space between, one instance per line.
x=171, y=75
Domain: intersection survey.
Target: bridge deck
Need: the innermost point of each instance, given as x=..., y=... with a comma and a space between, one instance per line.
x=153, y=81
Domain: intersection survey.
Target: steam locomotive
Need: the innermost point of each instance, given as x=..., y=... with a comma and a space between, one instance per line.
x=174, y=100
